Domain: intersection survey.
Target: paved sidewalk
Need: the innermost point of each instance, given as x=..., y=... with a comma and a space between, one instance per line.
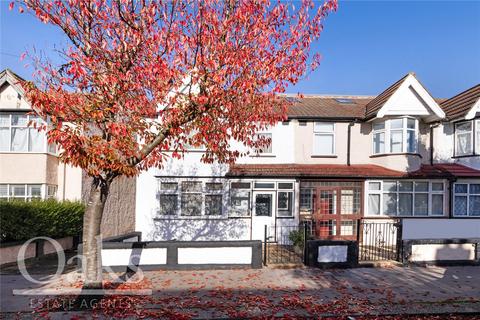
x=284, y=293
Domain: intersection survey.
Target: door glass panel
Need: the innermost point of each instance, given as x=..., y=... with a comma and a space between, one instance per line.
x=263, y=205
x=327, y=202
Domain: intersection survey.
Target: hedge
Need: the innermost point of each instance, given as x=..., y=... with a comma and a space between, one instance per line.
x=21, y=220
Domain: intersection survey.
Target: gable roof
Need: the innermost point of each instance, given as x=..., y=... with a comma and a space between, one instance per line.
x=10, y=77
x=329, y=107
x=376, y=104
x=459, y=105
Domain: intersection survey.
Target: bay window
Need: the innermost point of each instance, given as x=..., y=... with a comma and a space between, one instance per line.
x=466, y=199
x=323, y=138
x=401, y=134
x=17, y=136
x=25, y=192
x=405, y=198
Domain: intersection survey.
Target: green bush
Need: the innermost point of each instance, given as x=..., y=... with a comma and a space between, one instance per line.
x=24, y=220
x=297, y=237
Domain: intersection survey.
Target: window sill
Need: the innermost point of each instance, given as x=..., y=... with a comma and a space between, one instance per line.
x=406, y=217
x=189, y=218
x=396, y=154
x=324, y=156
x=263, y=156
x=285, y=217
x=466, y=156
x=465, y=217
x=30, y=152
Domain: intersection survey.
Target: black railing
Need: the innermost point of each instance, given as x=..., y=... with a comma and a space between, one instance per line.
x=379, y=240
x=286, y=244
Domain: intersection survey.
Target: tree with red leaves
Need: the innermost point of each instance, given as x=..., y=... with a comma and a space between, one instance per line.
x=143, y=79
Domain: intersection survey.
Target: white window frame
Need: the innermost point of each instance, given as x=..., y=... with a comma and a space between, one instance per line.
x=27, y=196
x=46, y=146
x=259, y=152
x=381, y=193
x=387, y=130
x=467, y=194
x=472, y=143
x=317, y=132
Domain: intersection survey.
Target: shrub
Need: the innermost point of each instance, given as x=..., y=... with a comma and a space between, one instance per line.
x=24, y=220
x=296, y=236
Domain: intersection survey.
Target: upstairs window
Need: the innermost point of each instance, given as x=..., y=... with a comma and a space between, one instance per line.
x=464, y=138
x=266, y=149
x=17, y=136
x=400, y=133
x=324, y=138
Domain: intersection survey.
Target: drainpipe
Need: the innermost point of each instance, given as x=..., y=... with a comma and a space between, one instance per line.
x=431, y=141
x=350, y=125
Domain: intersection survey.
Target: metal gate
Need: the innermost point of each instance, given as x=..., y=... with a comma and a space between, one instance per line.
x=379, y=241
x=286, y=244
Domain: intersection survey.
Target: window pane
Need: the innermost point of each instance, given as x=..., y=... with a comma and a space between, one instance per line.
x=474, y=188
x=169, y=186
x=3, y=190
x=421, y=204
x=324, y=127
x=421, y=186
x=379, y=142
x=285, y=185
x=19, y=139
x=37, y=140
x=437, y=204
x=437, y=186
x=191, y=186
x=268, y=147
x=191, y=204
x=17, y=190
x=19, y=120
x=305, y=199
x=347, y=228
x=460, y=207
x=411, y=123
x=396, y=124
x=214, y=186
x=405, y=202
x=396, y=138
x=411, y=141
x=461, y=188
x=379, y=126
x=463, y=127
x=52, y=148
x=374, y=186
x=405, y=186
x=323, y=144
x=264, y=185
x=263, y=205
x=168, y=204
x=240, y=185
x=390, y=204
x=474, y=206
x=34, y=190
x=4, y=139
x=240, y=203
x=463, y=144
x=213, y=205
x=374, y=204
x=389, y=186
x=4, y=120
x=285, y=204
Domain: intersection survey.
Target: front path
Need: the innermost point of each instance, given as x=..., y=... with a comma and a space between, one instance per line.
x=285, y=293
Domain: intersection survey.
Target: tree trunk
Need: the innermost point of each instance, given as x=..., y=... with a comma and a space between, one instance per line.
x=92, y=221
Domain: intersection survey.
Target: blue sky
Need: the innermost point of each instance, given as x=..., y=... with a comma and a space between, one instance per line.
x=366, y=46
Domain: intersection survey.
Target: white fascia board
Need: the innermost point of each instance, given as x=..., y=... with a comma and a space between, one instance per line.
x=412, y=83
x=473, y=110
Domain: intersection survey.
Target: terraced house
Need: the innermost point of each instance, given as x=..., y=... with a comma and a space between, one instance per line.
x=337, y=161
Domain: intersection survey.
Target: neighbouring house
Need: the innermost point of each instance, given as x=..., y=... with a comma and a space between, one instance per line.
x=29, y=165
x=337, y=160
